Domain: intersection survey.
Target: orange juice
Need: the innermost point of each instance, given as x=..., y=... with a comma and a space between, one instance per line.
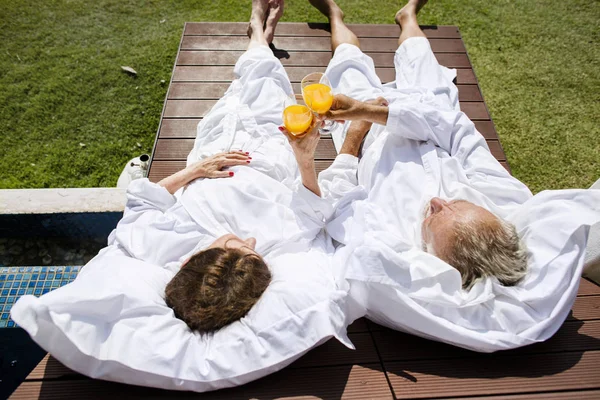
x=297, y=119
x=318, y=97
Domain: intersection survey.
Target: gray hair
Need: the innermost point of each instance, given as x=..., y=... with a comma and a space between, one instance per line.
x=482, y=249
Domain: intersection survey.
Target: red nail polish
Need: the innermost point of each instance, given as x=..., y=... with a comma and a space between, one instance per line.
x=249, y=158
x=280, y=128
x=248, y=161
x=231, y=174
x=247, y=153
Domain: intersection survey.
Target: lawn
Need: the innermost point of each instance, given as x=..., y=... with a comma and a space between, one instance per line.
x=70, y=117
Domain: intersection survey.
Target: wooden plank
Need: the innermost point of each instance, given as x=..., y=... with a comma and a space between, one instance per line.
x=399, y=346
x=178, y=149
x=586, y=308
x=334, y=353
x=214, y=91
x=312, y=44
x=179, y=128
x=314, y=29
x=360, y=325
x=417, y=379
x=579, y=395
x=357, y=382
x=588, y=288
x=307, y=58
x=225, y=74
x=330, y=353
x=486, y=128
x=162, y=169
x=190, y=109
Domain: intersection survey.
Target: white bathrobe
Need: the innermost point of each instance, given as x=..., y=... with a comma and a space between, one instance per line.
x=430, y=148
x=265, y=199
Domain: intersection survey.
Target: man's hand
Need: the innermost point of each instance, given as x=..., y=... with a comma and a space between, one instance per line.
x=212, y=166
x=346, y=108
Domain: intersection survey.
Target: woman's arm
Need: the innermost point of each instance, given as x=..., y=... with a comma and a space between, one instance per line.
x=208, y=168
x=304, y=149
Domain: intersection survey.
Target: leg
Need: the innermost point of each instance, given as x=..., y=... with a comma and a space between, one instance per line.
x=257, y=20
x=275, y=12
x=340, y=33
x=407, y=19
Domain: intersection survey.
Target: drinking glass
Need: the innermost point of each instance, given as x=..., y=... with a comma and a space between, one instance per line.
x=318, y=96
x=296, y=117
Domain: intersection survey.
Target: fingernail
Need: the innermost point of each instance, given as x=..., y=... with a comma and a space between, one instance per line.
x=247, y=153
x=280, y=128
x=248, y=161
x=231, y=174
x=249, y=158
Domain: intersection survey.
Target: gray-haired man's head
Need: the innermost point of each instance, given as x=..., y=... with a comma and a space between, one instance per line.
x=474, y=241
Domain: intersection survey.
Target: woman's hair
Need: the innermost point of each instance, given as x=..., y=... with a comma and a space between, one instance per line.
x=216, y=287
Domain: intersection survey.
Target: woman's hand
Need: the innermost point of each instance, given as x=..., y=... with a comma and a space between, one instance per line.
x=212, y=166
x=304, y=149
x=305, y=146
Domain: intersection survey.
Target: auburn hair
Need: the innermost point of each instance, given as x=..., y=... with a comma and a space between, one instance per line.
x=216, y=287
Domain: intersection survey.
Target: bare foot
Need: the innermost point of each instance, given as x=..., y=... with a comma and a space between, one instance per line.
x=275, y=12
x=410, y=10
x=257, y=18
x=328, y=8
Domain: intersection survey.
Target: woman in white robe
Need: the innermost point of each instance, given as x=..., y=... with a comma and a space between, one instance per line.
x=260, y=202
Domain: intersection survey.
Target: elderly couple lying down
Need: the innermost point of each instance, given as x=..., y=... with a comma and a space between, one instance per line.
x=237, y=265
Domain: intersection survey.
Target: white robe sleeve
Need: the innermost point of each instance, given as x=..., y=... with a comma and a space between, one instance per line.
x=453, y=132
x=148, y=231
x=312, y=209
x=339, y=185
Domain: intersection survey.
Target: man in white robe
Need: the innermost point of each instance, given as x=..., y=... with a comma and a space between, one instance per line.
x=437, y=238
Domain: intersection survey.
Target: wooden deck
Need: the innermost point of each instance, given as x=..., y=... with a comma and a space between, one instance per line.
x=208, y=51
x=386, y=364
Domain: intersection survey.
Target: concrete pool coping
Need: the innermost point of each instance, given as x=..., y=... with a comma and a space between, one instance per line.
x=61, y=200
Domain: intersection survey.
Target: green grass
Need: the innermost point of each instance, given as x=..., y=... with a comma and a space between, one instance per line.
x=538, y=63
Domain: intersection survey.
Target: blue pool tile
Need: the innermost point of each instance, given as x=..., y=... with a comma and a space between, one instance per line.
x=31, y=284
x=44, y=269
x=73, y=275
x=47, y=283
x=7, y=307
x=4, y=292
x=37, y=292
x=58, y=276
x=13, y=292
x=19, y=277
x=10, y=324
x=10, y=277
x=67, y=269
x=23, y=284
x=3, y=299
x=22, y=269
x=29, y=291
x=39, y=283
x=45, y=291
x=26, y=277
x=21, y=292
x=37, y=269
x=2, y=277
x=4, y=316
x=3, y=324
x=51, y=276
x=42, y=277
x=10, y=300
x=34, y=277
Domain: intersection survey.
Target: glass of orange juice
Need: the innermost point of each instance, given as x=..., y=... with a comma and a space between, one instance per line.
x=296, y=117
x=318, y=96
